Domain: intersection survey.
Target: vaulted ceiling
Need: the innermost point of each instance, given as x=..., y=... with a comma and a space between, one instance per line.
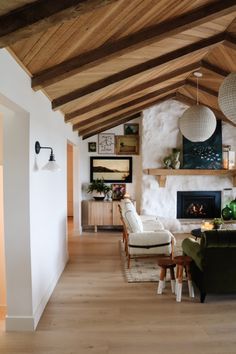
x=101, y=62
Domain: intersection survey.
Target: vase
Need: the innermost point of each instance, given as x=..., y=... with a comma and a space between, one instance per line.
x=227, y=213
x=232, y=206
x=98, y=195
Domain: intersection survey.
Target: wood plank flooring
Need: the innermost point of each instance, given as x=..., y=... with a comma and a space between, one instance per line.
x=93, y=310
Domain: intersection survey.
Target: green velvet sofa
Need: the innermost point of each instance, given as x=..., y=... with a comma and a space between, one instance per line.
x=213, y=268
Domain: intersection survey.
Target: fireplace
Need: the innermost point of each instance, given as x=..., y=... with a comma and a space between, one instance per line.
x=199, y=205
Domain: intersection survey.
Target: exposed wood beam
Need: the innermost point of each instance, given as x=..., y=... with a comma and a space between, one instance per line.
x=126, y=93
x=115, y=123
x=202, y=88
x=138, y=69
x=230, y=41
x=135, y=41
x=40, y=15
x=139, y=108
x=214, y=69
x=191, y=101
x=130, y=104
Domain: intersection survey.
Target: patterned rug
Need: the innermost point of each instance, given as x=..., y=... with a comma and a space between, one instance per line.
x=144, y=269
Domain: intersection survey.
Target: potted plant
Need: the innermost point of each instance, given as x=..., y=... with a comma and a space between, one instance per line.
x=98, y=189
x=217, y=223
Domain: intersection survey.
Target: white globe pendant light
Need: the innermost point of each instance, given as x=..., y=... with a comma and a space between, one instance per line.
x=227, y=97
x=198, y=122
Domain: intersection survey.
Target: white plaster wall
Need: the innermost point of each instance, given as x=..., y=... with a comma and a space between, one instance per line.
x=132, y=188
x=47, y=240
x=160, y=135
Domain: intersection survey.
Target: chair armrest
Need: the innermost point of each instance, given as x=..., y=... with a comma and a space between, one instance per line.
x=192, y=249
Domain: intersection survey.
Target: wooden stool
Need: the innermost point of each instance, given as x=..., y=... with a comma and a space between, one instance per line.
x=183, y=262
x=164, y=264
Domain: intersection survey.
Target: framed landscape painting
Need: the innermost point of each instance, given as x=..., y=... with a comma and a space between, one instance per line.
x=111, y=169
x=127, y=144
x=131, y=129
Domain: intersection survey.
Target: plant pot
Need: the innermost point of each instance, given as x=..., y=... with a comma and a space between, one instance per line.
x=217, y=227
x=98, y=195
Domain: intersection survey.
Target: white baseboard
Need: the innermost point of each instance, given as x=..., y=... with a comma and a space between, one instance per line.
x=19, y=323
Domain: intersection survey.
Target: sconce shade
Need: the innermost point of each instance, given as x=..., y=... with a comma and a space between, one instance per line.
x=51, y=165
x=227, y=97
x=197, y=123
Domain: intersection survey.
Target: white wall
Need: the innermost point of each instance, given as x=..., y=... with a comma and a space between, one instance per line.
x=160, y=135
x=132, y=188
x=47, y=214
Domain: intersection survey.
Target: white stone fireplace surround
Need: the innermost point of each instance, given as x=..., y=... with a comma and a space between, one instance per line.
x=160, y=133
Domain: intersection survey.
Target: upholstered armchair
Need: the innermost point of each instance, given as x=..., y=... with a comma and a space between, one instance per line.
x=144, y=238
x=213, y=268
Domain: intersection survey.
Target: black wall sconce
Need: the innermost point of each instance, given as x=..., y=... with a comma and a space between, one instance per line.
x=51, y=165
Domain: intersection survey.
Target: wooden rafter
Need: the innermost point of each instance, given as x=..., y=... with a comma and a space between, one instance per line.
x=134, y=110
x=202, y=88
x=230, y=41
x=135, y=41
x=215, y=69
x=138, y=69
x=191, y=101
x=132, y=103
x=133, y=90
x=113, y=124
x=40, y=15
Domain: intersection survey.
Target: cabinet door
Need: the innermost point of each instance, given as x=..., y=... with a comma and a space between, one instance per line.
x=116, y=214
x=100, y=213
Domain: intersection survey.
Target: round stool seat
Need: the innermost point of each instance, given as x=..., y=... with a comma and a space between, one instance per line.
x=166, y=262
x=182, y=260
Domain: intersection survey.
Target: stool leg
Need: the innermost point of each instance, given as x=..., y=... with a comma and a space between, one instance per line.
x=190, y=284
x=161, y=281
x=164, y=280
x=180, y=280
x=177, y=276
x=172, y=277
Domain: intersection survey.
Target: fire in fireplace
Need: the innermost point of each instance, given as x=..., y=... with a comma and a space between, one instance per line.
x=198, y=204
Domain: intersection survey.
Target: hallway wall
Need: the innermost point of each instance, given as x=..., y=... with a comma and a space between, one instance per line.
x=45, y=226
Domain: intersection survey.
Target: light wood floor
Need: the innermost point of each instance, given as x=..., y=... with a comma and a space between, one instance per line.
x=93, y=310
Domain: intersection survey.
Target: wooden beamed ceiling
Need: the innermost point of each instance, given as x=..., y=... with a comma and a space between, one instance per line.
x=101, y=62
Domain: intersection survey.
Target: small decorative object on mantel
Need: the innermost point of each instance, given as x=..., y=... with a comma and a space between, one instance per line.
x=98, y=189
x=232, y=206
x=225, y=156
x=227, y=213
x=217, y=223
x=172, y=160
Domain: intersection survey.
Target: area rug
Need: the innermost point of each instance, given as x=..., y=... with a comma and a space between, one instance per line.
x=144, y=269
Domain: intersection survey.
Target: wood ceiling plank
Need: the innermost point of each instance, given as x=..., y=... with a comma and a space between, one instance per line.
x=140, y=68
x=40, y=15
x=103, y=127
x=132, y=42
x=129, y=104
x=202, y=88
x=139, y=107
x=190, y=102
x=230, y=41
x=215, y=69
x=130, y=91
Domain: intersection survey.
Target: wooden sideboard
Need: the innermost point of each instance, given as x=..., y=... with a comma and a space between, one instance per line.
x=100, y=213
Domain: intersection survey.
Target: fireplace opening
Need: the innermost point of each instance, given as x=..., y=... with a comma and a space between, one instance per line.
x=198, y=205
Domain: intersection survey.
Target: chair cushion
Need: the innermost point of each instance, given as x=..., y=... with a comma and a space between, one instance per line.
x=150, y=243
x=133, y=221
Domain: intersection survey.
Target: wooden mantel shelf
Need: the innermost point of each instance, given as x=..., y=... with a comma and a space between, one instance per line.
x=161, y=174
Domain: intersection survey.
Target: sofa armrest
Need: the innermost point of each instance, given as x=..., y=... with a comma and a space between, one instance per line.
x=192, y=249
